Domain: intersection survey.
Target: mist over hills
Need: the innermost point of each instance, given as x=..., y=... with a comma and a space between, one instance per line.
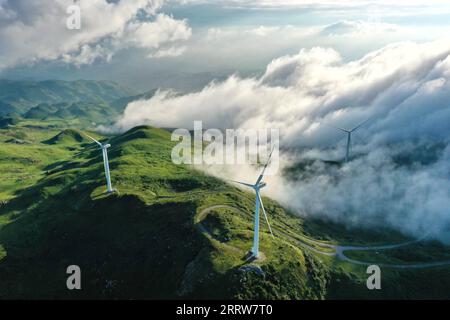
x=308, y=96
x=175, y=232
x=170, y=232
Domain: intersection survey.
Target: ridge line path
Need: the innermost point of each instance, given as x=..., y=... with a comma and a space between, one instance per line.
x=339, y=250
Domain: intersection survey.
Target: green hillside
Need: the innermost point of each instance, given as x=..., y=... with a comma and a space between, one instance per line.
x=67, y=137
x=88, y=113
x=170, y=231
x=81, y=104
x=20, y=96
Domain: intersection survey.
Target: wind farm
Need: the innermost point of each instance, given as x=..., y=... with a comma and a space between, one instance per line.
x=213, y=222
x=224, y=150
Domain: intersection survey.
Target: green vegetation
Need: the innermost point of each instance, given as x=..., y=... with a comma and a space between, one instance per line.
x=170, y=231
x=20, y=96
x=415, y=253
x=62, y=104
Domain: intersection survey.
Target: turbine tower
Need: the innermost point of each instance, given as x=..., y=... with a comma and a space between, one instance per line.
x=104, y=148
x=349, y=138
x=258, y=204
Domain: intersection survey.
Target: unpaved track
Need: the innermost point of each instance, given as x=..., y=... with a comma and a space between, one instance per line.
x=339, y=250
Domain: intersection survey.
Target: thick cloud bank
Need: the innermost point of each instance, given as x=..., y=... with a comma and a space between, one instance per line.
x=399, y=175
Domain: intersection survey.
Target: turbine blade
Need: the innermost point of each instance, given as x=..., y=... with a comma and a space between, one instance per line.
x=97, y=142
x=265, y=215
x=346, y=131
x=261, y=176
x=243, y=183
x=360, y=125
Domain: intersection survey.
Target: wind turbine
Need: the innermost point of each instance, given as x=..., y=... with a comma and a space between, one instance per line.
x=258, y=203
x=349, y=138
x=104, y=148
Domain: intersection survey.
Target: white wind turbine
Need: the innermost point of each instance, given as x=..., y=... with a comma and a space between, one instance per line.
x=349, y=138
x=104, y=148
x=258, y=202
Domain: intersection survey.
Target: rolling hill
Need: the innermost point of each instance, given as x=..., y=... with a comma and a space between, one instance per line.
x=87, y=112
x=171, y=231
x=20, y=96
x=81, y=104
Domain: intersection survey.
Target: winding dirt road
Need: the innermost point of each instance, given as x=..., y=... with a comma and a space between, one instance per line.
x=311, y=244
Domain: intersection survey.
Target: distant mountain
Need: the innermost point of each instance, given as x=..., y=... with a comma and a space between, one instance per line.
x=20, y=96
x=88, y=112
x=100, y=112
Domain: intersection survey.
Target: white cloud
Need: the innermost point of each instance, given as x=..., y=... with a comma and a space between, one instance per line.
x=404, y=88
x=347, y=27
x=35, y=31
x=313, y=86
x=169, y=52
x=249, y=49
x=87, y=55
x=152, y=35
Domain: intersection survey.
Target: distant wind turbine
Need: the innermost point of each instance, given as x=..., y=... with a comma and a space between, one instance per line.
x=104, y=148
x=349, y=138
x=258, y=203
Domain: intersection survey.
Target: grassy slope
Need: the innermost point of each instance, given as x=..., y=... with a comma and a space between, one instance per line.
x=143, y=242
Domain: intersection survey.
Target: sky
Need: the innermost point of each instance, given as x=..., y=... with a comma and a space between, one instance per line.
x=184, y=44
x=303, y=67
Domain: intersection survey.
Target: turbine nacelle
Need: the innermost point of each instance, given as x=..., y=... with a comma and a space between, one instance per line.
x=106, y=146
x=346, y=131
x=257, y=186
x=260, y=185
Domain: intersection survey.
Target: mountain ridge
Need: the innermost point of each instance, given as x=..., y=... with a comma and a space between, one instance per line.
x=20, y=96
